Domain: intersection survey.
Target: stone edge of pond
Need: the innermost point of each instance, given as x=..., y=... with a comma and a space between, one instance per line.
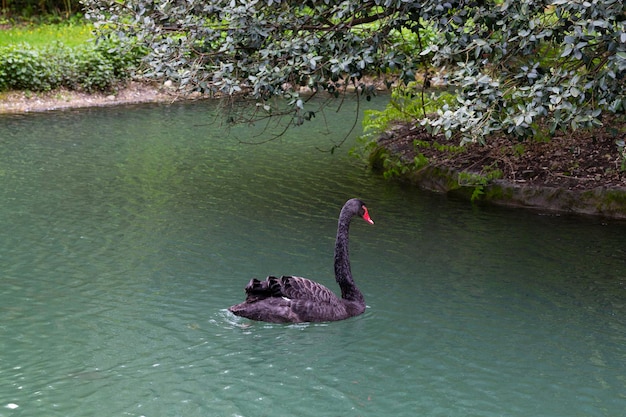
x=600, y=201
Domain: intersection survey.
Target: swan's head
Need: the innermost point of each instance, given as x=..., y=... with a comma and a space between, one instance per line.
x=359, y=208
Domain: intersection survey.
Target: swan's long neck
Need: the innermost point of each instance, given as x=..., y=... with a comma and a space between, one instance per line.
x=343, y=275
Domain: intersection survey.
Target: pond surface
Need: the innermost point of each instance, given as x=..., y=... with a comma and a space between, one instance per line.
x=128, y=231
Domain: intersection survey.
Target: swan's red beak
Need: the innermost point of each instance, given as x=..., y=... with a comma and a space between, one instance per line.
x=366, y=216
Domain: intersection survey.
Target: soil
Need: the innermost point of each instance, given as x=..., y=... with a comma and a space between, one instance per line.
x=581, y=160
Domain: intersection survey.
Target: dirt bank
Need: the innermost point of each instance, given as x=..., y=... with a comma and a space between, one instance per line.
x=580, y=172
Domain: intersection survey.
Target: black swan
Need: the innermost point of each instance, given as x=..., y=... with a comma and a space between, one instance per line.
x=291, y=299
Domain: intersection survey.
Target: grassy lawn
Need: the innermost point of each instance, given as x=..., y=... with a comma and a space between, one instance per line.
x=41, y=35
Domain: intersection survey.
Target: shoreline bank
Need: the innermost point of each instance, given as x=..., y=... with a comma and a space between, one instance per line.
x=15, y=102
x=570, y=174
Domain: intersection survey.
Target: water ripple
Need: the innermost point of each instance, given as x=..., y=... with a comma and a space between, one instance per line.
x=129, y=231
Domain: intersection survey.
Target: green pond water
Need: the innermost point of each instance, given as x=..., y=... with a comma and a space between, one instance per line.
x=128, y=231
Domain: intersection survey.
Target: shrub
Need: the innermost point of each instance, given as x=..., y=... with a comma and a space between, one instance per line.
x=93, y=67
x=93, y=72
x=22, y=68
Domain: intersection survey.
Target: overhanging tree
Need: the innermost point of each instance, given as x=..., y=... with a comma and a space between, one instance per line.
x=514, y=65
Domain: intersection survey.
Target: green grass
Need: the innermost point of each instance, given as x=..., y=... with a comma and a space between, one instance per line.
x=39, y=36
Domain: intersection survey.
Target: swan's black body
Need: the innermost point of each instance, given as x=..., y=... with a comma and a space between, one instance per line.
x=290, y=299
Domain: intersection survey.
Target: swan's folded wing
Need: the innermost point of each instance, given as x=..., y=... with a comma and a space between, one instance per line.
x=305, y=289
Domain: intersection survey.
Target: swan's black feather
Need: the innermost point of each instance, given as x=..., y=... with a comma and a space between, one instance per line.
x=305, y=289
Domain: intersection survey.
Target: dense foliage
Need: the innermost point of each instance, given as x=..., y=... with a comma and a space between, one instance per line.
x=514, y=65
x=93, y=67
x=266, y=48
x=518, y=63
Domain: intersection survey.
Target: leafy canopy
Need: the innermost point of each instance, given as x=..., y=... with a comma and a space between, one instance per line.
x=512, y=64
